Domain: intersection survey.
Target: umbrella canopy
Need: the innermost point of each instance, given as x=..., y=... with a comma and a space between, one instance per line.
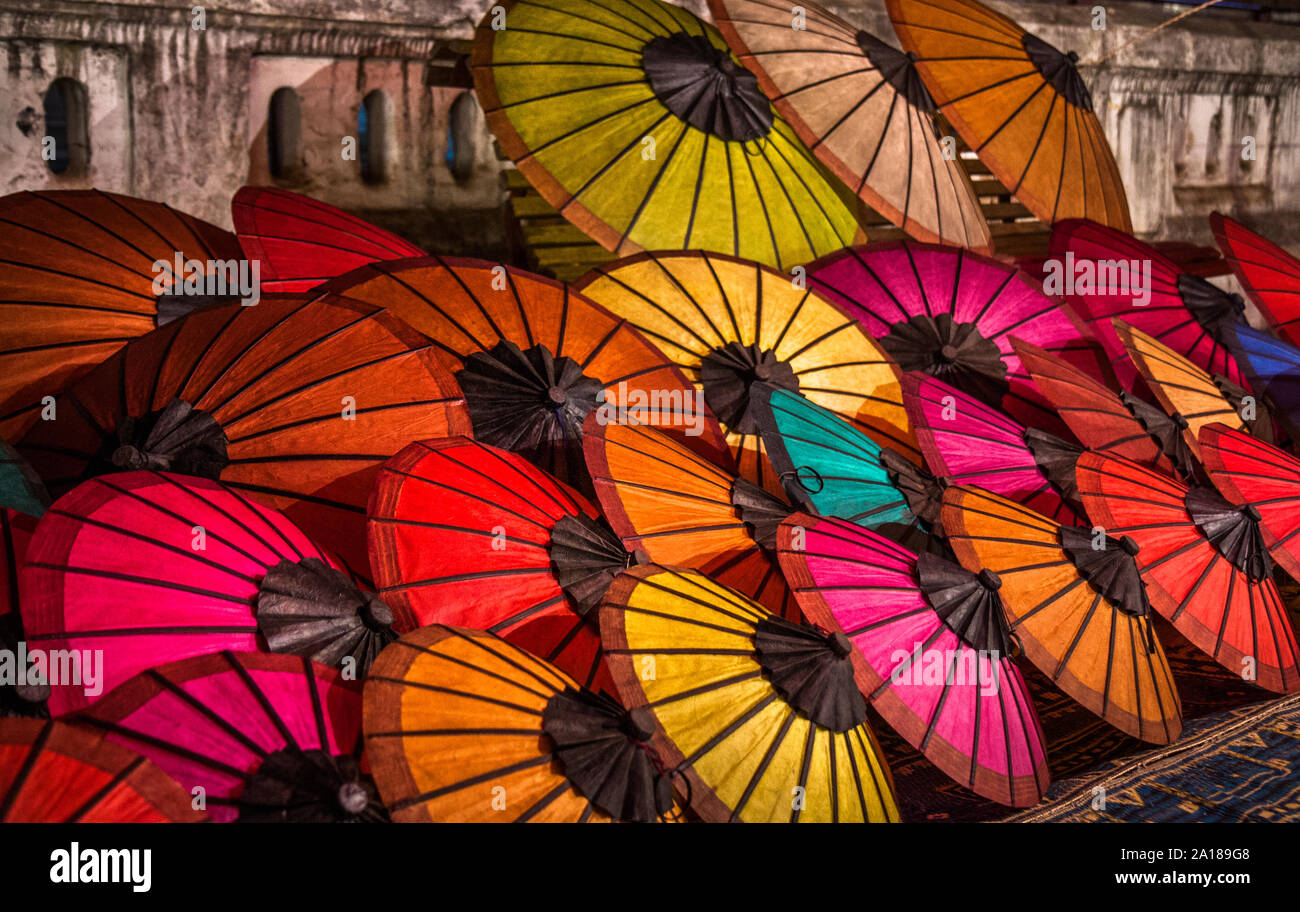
x=1273, y=369
x=1205, y=563
x=465, y=534
x=1100, y=418
x=761, y=715
x=1249, y=472
x=56, y=773
x=21, y=696
x=301, y=242
x=966, y=442
x=665, y=502
x=21, y=489
x=730, y=324
x=830, y=468
x=463, y=727
x=147, y=567
x=860, y=106
x=573, y=89
x=1190, y=396
x=951, y=314
x=297, y=404
x=1270, y=275
x=1081, y=613
x=79, y=281
x=534, y=358
x=1019, y=103
x=262, y=738
x=931, y=650
x=1102, y=276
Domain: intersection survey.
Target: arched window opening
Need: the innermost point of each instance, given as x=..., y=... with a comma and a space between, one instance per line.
x=462, y=136
x=283, y=132
x=373, y=137
x=67, y=124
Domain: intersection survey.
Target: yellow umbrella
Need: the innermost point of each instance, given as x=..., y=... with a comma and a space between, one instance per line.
x=632, y=119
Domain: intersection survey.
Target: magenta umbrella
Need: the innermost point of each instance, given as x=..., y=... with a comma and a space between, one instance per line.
x=966, y=442
x=932, y=650
x=261, y=738
x=1178, y=308
x=951, y=314
x=142, y=568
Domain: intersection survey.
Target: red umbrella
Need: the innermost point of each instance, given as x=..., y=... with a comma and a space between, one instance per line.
x=1248, y=471
x=301, y=242
x=261, y=738
x=56, y=773
x=1205, y=566
x=1269, y=274
x=465, y=534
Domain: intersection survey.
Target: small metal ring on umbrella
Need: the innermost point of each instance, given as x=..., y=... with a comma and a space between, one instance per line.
x=821, y=483
x=1017, y=646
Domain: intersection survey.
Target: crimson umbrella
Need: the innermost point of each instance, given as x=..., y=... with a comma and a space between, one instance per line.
x=1205, y=564
x=967, y=442
x=1103, y=273
x=259, y=738
x=147, y=567
x=951, y=313
x=931, y=650
x=465, y=534
x=51, y=772
x=301, y=242
x=296, y=404
x=1269, y=274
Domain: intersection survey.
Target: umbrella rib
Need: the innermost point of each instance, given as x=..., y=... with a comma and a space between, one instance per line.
x=264, y=700
x=879, y=783
x=804, y=768
x=317, y=709
x=176, y=750
x=762, y=202
x=880, y=143
x=232, y=358
x=24, y=772
x=1010, y=117
x=1065, y=154
x=763, y=765
x=699, y=185
x=661, y=168
x=544, y=802
x=501, y=772
x=502, y=627
x=857, y=775
x=103, y=792
x=826, y=134
x=734, y=726
x=1078, y=635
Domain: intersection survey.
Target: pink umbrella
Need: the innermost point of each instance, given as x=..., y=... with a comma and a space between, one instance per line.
x=1180, y=309
x=932, y=651
x=301, y=242
x=259, y=737
x=143, y=568
x=950, y=313
x=967, y=443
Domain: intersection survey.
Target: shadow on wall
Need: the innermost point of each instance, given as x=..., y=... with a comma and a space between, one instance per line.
x=371, y=138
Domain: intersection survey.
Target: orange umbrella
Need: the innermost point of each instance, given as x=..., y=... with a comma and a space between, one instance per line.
x=1020, y=104
x=78, y=282
x=861, y=108
x=297, y=404
x=534, y=358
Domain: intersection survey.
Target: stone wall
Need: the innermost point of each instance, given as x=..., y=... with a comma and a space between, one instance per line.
x=179, y=114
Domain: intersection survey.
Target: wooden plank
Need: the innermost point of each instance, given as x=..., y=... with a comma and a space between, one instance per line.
x=555, y=235
x=529, y=207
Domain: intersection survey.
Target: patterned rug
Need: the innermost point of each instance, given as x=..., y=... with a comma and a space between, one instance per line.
x=1223, y=717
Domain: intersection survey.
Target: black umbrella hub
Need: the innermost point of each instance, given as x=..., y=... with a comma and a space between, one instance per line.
x=953, y=352
x=586, y=556
x=1210, y=305
x=705, y=87
x=531, y=403
x=1061, y=70
x=1167, y=432
x=1111, y=569
x=760, y=511
x=898, y=69
x=1261, y=425
x=177, y=438
x=922, y=491
x=1057, y=458
x=604, y=752
x=812, y=672
x=968, y=603
x=1234, y=531
x=729, y=374
x=310, y=786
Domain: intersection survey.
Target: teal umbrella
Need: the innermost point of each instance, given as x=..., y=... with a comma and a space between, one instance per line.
x=21, y=488
x=831, y=468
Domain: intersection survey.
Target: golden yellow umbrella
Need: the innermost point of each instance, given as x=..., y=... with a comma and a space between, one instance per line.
x=729, y=323
x=632, y=119
x=761, y=715
x=862, y=109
